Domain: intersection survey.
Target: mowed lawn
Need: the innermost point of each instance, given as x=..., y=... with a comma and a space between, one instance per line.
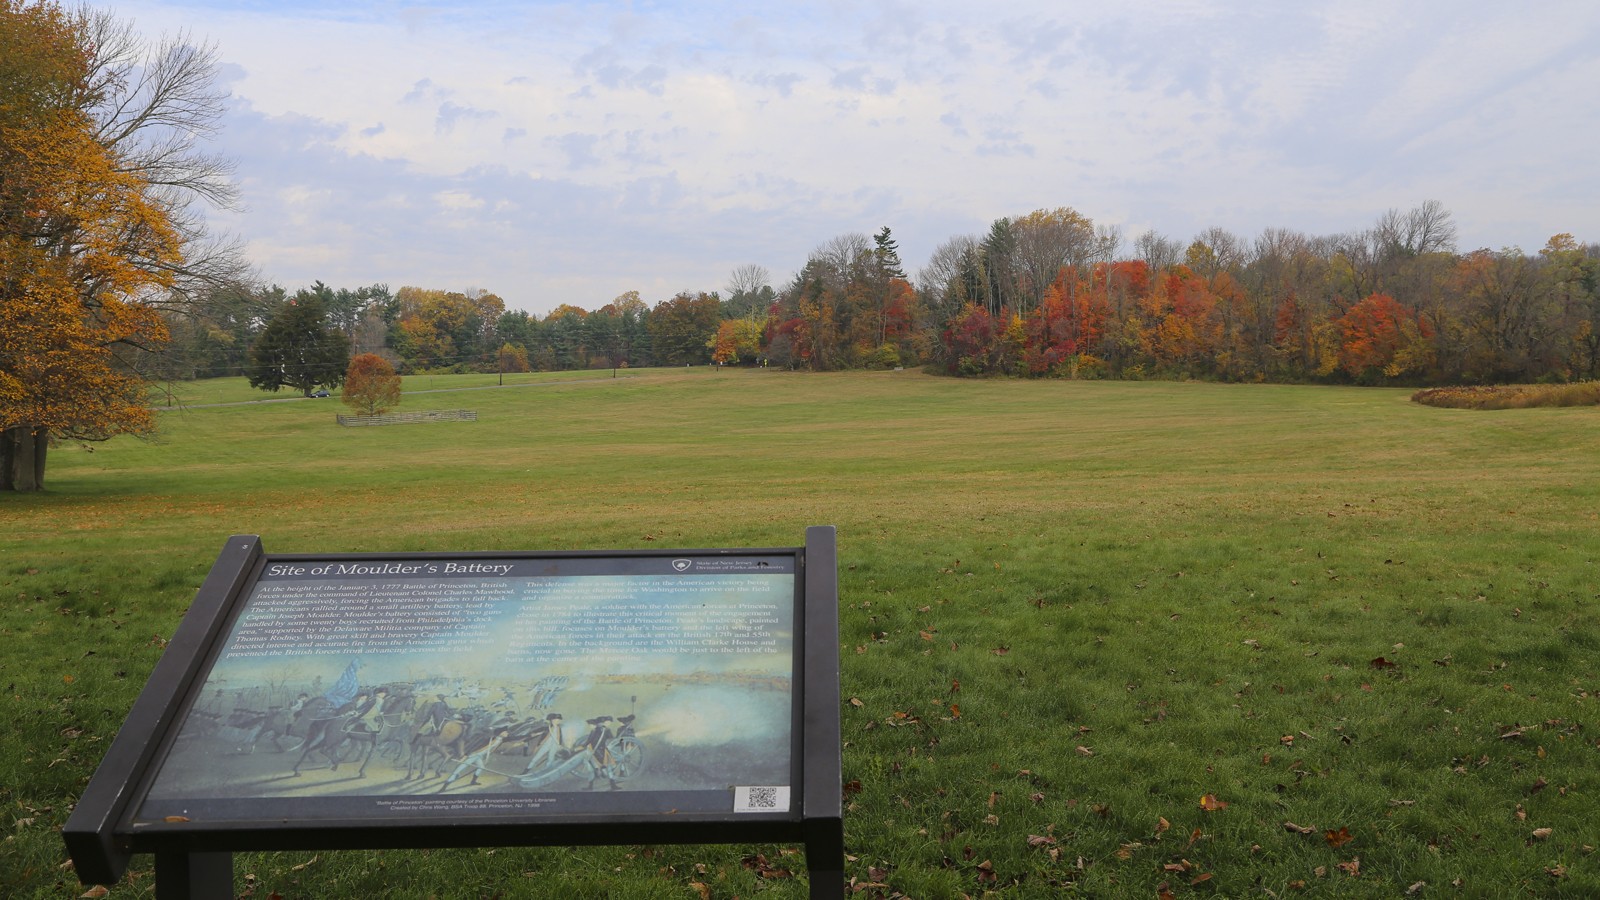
x=1098, y=639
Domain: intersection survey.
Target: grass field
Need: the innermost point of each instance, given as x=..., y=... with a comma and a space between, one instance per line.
x=1366, y=629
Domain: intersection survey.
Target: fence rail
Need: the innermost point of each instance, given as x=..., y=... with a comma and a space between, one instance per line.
x=406, y=418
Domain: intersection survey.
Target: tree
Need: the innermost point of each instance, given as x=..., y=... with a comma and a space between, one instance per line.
x=749, y=293
x=94, y=222
x=299, y=349
x=736, y=341
x=680, y=328
x=370, y=385
x=512, y=358
x=100, y=182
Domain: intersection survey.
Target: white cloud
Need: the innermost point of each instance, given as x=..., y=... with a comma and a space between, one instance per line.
x=565, y=152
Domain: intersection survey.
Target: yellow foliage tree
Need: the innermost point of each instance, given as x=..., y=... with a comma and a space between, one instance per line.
x=80, y=242
x=93, y=225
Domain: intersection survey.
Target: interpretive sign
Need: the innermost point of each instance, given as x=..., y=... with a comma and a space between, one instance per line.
x=481, y=699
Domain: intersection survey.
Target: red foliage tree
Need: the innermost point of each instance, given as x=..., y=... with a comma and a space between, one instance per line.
x=370, y=386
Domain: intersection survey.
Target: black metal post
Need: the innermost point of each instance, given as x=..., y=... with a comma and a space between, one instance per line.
x=824, y=771
x=194, y=876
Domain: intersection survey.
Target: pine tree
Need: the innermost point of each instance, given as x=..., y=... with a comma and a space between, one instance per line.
x=299, y=349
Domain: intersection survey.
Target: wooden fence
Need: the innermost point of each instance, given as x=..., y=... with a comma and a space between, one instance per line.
x=406, y=418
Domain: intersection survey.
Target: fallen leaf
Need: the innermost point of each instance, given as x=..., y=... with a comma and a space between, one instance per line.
x=98, y=890
x=856, y=702
x=1540, y=834
x=1210, y=803
x=1040, y=840
x=701, y=888
x=1352, y=868
x=1200, y=878
x=1084, y=751
x=1381, y=663
x=1416, y=887
x=1337, y=839
x=1162, y=825
x=1299, y=829
x=1001, y=650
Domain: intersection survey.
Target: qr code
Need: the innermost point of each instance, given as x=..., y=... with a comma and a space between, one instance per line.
x=761, y=799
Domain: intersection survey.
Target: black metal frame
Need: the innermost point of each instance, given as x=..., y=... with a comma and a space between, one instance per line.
x=197, y=861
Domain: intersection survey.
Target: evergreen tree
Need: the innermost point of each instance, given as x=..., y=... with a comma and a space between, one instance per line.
x=299, y=349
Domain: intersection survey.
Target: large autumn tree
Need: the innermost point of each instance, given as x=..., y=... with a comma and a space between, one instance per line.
x=99, y=180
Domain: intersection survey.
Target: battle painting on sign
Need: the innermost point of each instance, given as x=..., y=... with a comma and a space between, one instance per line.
x=565, y=686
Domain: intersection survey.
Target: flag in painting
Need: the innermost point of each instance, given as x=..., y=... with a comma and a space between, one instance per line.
x=345, y=689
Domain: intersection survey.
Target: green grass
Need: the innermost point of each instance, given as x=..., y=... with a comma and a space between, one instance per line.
x=1191, y=582
x=168, y=394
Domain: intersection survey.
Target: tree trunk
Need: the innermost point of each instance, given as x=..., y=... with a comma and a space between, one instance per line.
x=24, y=458
x=6, y=453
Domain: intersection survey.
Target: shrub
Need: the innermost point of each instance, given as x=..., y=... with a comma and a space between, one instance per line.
x=1511, y=396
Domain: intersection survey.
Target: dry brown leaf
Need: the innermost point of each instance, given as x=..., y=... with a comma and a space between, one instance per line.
x=98, y=890
x=1540, y=834
x=1339, y=838
x=1210, y=803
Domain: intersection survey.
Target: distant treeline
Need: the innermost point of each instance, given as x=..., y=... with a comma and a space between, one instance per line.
x=1047, y=294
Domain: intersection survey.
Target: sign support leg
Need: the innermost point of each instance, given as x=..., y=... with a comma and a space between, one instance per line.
x=194, y=876
x=825, y=859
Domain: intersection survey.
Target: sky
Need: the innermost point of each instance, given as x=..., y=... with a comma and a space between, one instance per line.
x=555, y=152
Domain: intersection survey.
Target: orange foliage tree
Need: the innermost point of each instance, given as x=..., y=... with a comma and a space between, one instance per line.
x=370, y=385
x=85, y=239
x=1380, y=335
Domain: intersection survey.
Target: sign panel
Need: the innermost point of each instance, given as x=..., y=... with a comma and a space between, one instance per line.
x=364, y=689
